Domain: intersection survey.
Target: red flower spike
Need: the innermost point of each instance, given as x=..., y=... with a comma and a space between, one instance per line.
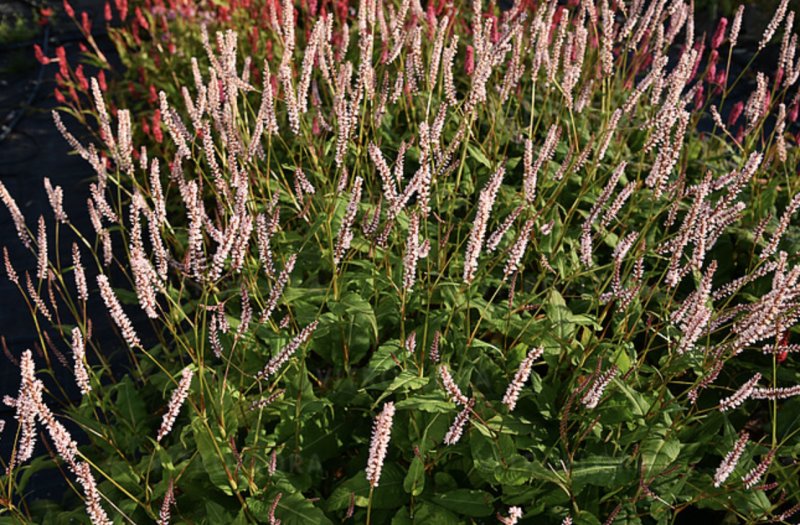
x=793, y=112
x=713, y=58
x=81, y=78
x=719, y=34
x=44, y=15
x=145, y=126
x=699, y=97
x=68, y=9
x=122, y=8
x=157, y=126
x=736, y=112
x=140, y=19
x=63, y=67
x=37, y=51
x=784, y=342
x=86, y=23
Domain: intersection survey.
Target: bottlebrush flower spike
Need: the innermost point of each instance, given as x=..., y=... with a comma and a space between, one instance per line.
x=514, y=515
x=412, y=254
x=786, y=218
x=736, y=26
x=751, y=478
x=731, y=459
x=777, y=18
x=175, y=403
x=411, y=343
x=116, y=312
x=10, y=271
x=517, y=251
x=80, y=275
x=455, y=431
x=79, y=354
x=522, y=375
x=693, y=316
x=345, y=236
x=16, y=215
x=95, y=511
x=741, y=395
x=475, y=244
x=166, y=505
x=272, y=508
x=595, y=392
x=276, y=362
x=497, y=235
x=103, y=118
x=26, y=411
x=451, y=387
x=41, y=241
x=277, y=289
x=389, y=189
x=36, y=298
x=433, y=354
x=56, y=197
x=380, y=444
x=776, y=393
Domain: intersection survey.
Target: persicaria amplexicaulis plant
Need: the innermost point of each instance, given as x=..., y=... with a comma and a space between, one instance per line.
x=416, y=262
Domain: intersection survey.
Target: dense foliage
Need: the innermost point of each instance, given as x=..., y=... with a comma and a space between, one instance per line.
x=406, y=264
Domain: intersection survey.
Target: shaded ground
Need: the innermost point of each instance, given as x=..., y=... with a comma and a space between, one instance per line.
x=30, y=150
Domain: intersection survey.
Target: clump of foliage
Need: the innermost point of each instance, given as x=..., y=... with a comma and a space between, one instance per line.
x=429, y=265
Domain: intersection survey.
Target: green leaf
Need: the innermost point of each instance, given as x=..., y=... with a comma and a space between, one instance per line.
x=382, y=360
x=216, y=513
x=560, y=316
x=389, y=493
x=600, y=471
x=132, y=416
x=293, y=508
x=516, y=471
x=435, y=403
x=402, y=518
x=475, y=503
x=360, y=308
x=637, y=401
x=658, y=453
x=430, y=514
x=213, y=464
x=414, y=482
x=478, y=155
x=406, y=381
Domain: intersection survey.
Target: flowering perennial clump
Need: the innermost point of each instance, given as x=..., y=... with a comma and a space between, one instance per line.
x=304, y=214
